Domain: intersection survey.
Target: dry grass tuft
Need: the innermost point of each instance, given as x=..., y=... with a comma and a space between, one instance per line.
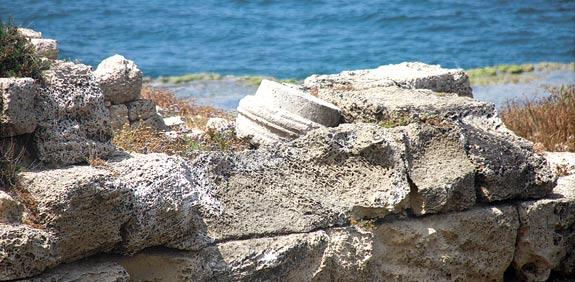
x=146, y=140
x=194, y=115
x=549, y=122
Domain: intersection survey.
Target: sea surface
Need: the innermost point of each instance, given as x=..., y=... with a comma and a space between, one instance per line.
x=293, y=39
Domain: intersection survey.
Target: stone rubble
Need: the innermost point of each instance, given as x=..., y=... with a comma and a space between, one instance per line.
x=415, y=184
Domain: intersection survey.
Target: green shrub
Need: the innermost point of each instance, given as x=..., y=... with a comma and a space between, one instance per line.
x=17, y=55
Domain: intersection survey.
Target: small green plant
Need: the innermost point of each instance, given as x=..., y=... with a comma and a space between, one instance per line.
x=17, y=56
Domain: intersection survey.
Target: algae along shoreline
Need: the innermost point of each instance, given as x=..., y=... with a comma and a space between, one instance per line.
x=497, y=84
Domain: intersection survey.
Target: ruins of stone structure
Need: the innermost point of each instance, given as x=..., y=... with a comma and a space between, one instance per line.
x=405, y=183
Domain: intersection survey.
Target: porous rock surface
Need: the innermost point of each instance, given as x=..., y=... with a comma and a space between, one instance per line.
x=45, y=47
x=410, y=75
x=17, y=114
x=73, y=122
x=416, y=185
x=120, y=79
x=519, y=172
x=546, y=241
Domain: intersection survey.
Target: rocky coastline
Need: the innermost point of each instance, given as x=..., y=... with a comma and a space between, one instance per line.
x=389, y=174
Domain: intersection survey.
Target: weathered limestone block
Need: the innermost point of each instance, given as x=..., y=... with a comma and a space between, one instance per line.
x=348, y=256
x=518, y=172
x=83, y=271
x=82, y=205
x=507, y=166
x=24, y=251
x=317, y=181
x=132, y=203
x=546, y=241
x=120, y=79
x=141, y=109
x=10, y=210
x=29, y=33
x=404, y=75
x=445, y=247
x=280, y=112
x=46, y=47
x=17, y=115
x=73, y=122
x=442, y=178
x=292, y=257
x=119, y=116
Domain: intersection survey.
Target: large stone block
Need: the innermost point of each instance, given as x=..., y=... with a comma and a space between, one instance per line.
x=25, y=251
x=507, y=166
x=73, y=121
x=120, y=79
x=46, y=47
x=404, y=75
x=281, y=112
x=546, y=241
x=17, y=114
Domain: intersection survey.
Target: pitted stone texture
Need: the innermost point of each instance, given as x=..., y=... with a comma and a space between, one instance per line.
x=46, y=47
x=119, y=116
x=446, y=247
x=506, y=165
x=141, y=109
x=404, y=75
x=381, y=103
x=348, y=256
x=10, y=210
x=73, y=122
x=120, y=79
x=281, y=112
x=441, y=175
x=132, y=203
x=29, y=33
x=83, y=271
x=316, y=181
x=24, y=251
x=546, y=241
x=17, y=113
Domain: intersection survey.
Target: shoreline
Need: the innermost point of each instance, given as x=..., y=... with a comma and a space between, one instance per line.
x=496, y=84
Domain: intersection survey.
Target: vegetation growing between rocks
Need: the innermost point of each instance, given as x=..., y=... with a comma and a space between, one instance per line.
x=548, y=121
x=17, y=55
x=146, y=140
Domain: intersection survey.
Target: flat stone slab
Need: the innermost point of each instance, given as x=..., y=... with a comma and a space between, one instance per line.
x=404, y=75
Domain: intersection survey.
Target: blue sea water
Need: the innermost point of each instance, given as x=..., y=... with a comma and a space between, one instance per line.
x=293, y=39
